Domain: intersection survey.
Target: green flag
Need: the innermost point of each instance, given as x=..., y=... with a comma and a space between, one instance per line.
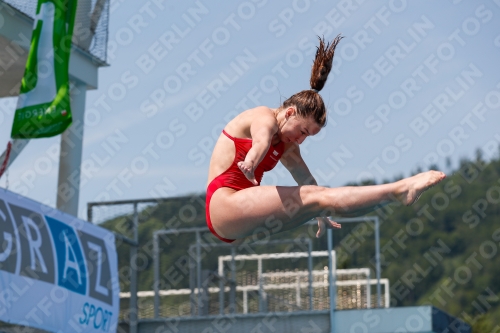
x=43, y=108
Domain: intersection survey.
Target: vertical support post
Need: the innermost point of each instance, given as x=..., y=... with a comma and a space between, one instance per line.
x=245, y=301
x=70, y=158
x=358, y=293
x=156, y=267
x=232, y=293
x=192, y=283
x=205, y=295
x=310, y=269
x=368, y=291
x=221, y=285
x=261, y=290
x=221, y=295
x=297, y=291
x=331, y=282
x=198, y=271
x=387, y=298
x=377, y=259
x=133, y=273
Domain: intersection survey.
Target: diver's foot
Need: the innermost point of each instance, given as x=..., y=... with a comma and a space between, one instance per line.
x=413, y=187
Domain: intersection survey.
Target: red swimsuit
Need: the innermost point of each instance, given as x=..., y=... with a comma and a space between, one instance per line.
x=235, y=179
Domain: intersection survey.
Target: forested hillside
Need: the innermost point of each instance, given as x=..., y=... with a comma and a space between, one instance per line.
x=443, y=250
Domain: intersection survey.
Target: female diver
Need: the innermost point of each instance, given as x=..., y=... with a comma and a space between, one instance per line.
x=255, y=140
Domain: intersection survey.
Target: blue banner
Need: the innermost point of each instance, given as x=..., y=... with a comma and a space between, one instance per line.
x=57, y=273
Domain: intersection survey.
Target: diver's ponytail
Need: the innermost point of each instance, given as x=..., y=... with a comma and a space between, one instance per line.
x=308, y=102
x=323, y=63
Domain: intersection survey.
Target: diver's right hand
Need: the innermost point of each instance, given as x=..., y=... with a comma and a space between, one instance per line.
x=326, y=223
x=248, y=170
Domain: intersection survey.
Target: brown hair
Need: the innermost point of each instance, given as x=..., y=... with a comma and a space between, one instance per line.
x=309, y=102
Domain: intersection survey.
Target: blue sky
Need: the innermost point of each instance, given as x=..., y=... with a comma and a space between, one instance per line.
x=414, y=82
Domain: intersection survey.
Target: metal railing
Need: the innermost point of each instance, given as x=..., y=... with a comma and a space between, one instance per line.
x=228, y=283
x=197, y=247
x=246, y=289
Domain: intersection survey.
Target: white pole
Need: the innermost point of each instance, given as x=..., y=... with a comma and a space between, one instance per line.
x=331, y=282
x=68, y=185
x=156, y=271
x=198, y=271
x=261, y=289
x=310, y=269
x=377, y=259
x=134, y=310
x=386, y=292
x=245, y=301
x=297, y=292
x=368, y=291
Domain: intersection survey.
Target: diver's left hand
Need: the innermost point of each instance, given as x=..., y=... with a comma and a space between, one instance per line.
x=326, y=223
